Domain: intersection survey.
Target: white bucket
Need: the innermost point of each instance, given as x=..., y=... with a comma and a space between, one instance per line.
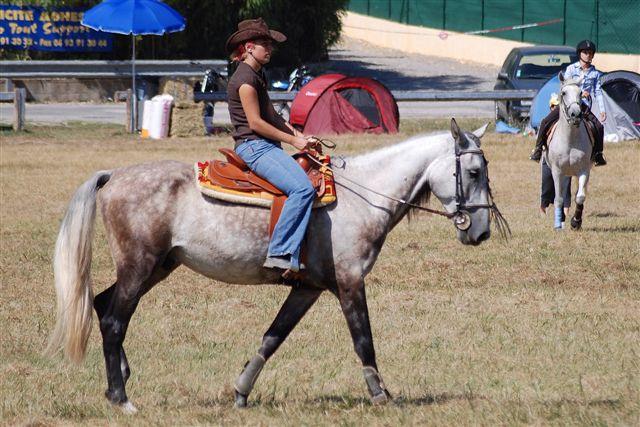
x=155, y=124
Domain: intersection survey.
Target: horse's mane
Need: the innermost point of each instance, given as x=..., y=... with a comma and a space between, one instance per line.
x=422, y=199
x=423, y=194
x=384, y=152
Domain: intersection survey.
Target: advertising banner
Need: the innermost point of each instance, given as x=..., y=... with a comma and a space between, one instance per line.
x=59, y=29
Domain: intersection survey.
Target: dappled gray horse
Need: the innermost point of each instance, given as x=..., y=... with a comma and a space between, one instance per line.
x=569, y=150
x=156, y=219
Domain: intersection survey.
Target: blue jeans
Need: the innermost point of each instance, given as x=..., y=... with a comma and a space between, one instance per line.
x=268, y=160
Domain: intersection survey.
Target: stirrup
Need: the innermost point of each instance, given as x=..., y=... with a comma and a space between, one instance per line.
x=536, y=155
x=599, y=160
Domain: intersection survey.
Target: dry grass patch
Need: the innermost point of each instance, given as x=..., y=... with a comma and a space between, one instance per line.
x=544, y=329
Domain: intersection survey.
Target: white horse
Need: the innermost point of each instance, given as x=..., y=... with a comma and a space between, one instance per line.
x=156, y=219
x=569, y=150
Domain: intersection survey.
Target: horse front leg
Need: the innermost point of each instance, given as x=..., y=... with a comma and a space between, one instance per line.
x=581, y=195
x=294, y=308
x=353, y=301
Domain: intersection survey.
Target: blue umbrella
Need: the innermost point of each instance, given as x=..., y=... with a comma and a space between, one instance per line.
x=135, y=17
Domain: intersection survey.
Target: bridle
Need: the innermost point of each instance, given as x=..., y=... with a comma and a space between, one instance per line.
x=566, y=107
x=461, y=218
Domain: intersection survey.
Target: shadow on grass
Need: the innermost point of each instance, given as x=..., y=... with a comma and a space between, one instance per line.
x=343, y=401
x=603, y=215
x=348, y=401
x=617, y=229
x=6, y=128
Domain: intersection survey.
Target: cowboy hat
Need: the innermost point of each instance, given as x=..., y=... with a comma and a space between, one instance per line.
x=252, y=29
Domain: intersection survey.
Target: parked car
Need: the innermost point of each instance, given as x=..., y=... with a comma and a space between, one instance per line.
x=529, y=68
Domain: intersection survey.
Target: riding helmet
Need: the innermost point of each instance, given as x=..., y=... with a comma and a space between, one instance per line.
x=585, y=45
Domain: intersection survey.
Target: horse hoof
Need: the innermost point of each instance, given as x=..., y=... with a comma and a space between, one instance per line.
x=381, y=398
x=128, y=408
x=241, y=401
x=575, y=224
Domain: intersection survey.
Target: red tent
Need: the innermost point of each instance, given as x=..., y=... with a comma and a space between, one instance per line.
x=334, y=103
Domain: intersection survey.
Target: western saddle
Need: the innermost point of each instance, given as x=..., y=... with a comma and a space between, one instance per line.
x=232, y=180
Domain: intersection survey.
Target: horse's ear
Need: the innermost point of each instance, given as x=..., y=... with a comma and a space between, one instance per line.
x=455, y=130
x=561, y=76
x=481, y=131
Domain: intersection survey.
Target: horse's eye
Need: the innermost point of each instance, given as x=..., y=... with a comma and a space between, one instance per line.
x=474, y=173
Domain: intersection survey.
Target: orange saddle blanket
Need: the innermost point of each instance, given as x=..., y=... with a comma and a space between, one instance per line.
x=232, y=181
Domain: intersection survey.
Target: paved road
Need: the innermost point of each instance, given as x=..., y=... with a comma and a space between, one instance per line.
x=395, y=69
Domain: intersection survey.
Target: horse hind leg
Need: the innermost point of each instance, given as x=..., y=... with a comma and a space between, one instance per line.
x=114, y=307
x=558, y=201
x=101, y=303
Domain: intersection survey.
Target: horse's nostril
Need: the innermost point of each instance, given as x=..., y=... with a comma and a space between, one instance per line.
x=484, y=236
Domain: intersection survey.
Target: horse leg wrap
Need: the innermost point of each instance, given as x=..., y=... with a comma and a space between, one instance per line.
x=576, y=221
x=377, y=390
x=558, y=218
x=246, y=380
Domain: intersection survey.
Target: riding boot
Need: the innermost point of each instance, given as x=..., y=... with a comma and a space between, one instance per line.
x=598, y=158
x=536, y=154
x=598, y=144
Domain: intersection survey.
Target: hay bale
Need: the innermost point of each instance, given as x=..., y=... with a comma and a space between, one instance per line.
x=181, y=88
x=186, y=120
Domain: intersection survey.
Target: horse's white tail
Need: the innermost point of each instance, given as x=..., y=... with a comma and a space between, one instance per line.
x=72, y=270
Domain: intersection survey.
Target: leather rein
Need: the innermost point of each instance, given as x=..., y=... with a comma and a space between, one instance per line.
x=461, y=218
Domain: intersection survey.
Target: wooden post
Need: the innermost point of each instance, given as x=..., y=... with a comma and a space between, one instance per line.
x=19, y=97
x=129, y=101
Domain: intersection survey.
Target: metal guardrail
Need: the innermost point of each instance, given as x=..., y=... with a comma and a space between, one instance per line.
x=403, y=95
x=15, y=70
x=107, y=69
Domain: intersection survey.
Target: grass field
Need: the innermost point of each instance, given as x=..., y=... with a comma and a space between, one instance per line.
x=542, y=329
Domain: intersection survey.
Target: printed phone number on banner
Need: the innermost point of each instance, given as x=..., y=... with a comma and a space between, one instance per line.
x=53, y=30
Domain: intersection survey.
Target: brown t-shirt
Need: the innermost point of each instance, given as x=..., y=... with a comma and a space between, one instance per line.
x=244, y=74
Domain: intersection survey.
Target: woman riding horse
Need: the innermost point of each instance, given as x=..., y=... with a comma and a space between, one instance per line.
x=258, y=130
x=583, y=69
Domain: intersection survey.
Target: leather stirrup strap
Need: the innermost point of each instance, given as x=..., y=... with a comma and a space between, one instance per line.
x=276, y=210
